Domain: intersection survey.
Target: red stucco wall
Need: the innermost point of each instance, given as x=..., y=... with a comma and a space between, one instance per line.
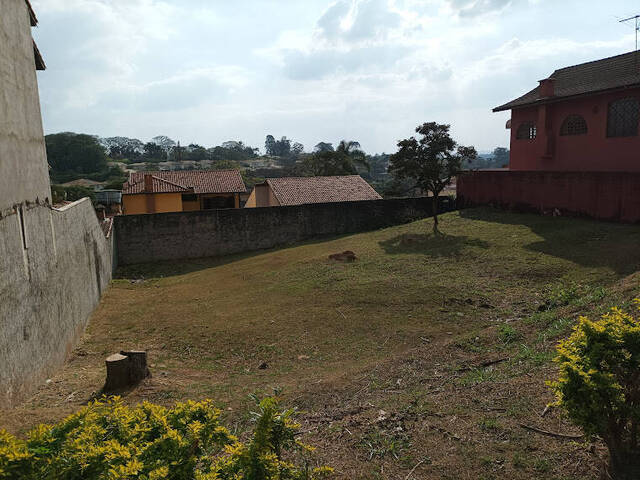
x=590, y=152
x=604, y=195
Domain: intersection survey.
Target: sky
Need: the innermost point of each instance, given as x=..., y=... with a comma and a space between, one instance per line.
x=208, y=71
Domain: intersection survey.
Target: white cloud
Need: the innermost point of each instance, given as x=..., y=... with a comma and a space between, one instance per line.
x=210, y=70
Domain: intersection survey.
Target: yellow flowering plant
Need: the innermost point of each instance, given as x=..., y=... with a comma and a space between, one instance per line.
x=108, y=440
x=599, y=385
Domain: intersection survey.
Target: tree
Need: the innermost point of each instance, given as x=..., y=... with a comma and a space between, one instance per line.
x=163, y=141
x=196, y=152
x=270, y=146
x=283, y=147
x=297, y=149
x=177, y=153
x=501, y=157
x=75, y=152
x=599, y=386
x=431, y=162
x=323, y=147
x=122, y=147
x=153, y=151
x=344, y=160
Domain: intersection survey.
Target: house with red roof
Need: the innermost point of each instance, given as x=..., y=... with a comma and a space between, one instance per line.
x=181, y=191
x=574, y=144
x=285, y=191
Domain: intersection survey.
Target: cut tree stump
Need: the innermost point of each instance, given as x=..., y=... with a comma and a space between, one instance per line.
x=138, y=367
x=125, y=369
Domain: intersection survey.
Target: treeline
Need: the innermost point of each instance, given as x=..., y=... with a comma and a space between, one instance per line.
x=74, y=155
x=162, y=149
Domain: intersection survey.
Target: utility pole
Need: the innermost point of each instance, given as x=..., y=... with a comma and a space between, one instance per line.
x=635, y=18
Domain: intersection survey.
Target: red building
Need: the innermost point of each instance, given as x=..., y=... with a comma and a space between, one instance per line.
x=574, y=141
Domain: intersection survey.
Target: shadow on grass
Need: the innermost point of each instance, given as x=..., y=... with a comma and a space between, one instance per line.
x=433, y=245
x=170, y=268
x=586, y=242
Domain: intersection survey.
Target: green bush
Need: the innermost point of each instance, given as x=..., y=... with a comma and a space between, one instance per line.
x=108, y=440
x=599, y=385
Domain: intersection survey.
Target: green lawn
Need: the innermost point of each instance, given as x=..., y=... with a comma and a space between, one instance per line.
x=383, y=356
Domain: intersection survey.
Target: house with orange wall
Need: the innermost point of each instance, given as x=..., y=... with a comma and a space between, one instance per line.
x=181, y=191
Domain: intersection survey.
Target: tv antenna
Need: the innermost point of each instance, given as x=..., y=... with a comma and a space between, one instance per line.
x=635, y=18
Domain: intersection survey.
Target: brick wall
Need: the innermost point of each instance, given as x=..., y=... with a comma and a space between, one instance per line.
x=611, y=196
x=210, y=233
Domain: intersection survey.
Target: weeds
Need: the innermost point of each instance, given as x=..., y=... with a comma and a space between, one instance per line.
x=380, y=444
x=508, y=334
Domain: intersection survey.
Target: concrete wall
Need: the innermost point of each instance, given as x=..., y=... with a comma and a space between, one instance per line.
x=23, y=166
x=55, y=265
x=604, y=195
x=209, y=233
x=590, y=152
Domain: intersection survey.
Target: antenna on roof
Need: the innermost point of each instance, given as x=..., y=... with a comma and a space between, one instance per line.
x=635, y=17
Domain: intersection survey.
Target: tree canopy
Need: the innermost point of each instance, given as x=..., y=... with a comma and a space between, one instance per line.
x=344, y=160
x=430, y=161
x=77, y=152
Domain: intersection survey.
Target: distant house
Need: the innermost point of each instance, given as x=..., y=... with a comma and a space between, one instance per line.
x=301, y=190
x=181, y=191
x=85, y=182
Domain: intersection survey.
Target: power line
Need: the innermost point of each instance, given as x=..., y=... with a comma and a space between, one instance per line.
x=635, y=18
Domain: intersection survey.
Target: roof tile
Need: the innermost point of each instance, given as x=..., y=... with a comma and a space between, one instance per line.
x=606, y=74
x=301, y=190
x=196, y=181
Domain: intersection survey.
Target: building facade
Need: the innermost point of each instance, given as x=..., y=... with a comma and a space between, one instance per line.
x=575, y=145
x=581, y=118
x=181, y=191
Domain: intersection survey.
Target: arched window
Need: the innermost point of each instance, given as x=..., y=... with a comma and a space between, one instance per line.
x=622, y=118
x=526, y=131
x=573, y=125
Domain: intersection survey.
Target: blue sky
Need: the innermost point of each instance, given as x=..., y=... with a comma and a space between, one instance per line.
x=312, y=70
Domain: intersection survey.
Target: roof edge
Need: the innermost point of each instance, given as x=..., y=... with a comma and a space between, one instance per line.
x=32, y=15
x=546, y=100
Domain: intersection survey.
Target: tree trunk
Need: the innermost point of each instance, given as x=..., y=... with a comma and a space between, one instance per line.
x=138, y=369
x=624, y=465
x=125, y=369
x=117, y=372
x=434, y=209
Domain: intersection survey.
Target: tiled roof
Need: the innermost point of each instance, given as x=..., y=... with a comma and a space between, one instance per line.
x=301, y=190
x=196, y=181
x=606, y=74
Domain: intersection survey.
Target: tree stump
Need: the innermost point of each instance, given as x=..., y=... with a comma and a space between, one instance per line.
x=125, y=369
x=117, y=372
x=138, y=365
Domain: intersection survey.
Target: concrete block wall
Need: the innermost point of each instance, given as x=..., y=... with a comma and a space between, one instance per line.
x=211, y=233
x=55, y=264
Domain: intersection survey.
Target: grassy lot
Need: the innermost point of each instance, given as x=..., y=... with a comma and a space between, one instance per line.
x=427, y=352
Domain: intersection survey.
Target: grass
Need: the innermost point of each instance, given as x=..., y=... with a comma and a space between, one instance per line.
x=405, y=329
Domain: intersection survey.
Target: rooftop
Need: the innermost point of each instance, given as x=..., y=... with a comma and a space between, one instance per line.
x=196, y=181
x=301, y=190
x=610, y=73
